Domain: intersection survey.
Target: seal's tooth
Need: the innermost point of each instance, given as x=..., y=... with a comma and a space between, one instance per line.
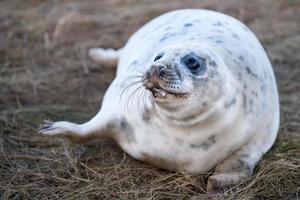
x=159, y=92
x=163, y=93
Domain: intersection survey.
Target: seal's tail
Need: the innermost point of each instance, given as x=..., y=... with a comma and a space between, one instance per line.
x=107, y=57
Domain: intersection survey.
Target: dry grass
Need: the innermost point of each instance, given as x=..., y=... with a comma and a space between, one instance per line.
x=45, y=78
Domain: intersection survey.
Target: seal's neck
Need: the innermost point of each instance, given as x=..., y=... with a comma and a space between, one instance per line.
x=189, y=115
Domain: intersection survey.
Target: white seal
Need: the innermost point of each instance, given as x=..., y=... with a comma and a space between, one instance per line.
x=194, y=91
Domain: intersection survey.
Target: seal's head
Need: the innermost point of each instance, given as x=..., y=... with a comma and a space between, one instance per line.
x=184, y=75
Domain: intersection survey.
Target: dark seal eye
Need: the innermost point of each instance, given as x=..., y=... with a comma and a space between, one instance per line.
x=194, y=63
x=159, y=56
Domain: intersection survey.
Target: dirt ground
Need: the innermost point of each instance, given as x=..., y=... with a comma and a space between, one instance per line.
x=45, y=74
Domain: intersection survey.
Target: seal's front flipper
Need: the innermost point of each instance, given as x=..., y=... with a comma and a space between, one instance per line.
x=233, y=170
x=98, y=127
x=106, y=57
x=62, y=129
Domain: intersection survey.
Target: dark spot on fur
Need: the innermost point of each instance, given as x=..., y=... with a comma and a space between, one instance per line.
x=242, y=166
x=244, y=155
x=167, y=36
x=172, y=108
x=163, y=38
x=128, y=130
x=111, y=126
x=251, y=105
x=219, y=41
x=210, y=37
x=245, y=86
x=240, y=76
x=234, y=35
x=263, y=87
x=135, y=62
x=254, y=93
x=212, y=63
x=250, y=72
x=188, y=25
x=217, y=31
x=244, y=101
x=241, y=58
x=204, y=145
x=146, y=116
x=217, y=24
x=228, y=51
x=168, y=28
x=230, y=103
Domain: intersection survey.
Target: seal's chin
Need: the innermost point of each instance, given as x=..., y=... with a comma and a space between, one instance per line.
x=160, y=93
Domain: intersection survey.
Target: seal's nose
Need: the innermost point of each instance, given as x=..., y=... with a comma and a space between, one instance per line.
x=152, y=77
x=157, y=70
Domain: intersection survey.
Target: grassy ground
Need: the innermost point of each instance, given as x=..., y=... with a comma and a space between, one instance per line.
x=45, y=73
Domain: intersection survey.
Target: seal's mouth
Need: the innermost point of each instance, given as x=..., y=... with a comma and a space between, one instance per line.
x=159, y=93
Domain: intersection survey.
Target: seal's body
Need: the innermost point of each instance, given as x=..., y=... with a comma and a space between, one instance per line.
x=194, y=90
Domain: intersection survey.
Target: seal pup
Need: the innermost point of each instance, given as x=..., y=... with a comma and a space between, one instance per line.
x=194, y=91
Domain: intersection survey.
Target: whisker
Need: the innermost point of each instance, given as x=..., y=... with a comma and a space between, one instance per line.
x=140, y=93
x=134, y=76
x=129, y=86
x=145, y=98
x=132, y=95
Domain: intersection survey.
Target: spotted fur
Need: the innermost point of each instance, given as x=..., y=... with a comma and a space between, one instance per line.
x=176, y=115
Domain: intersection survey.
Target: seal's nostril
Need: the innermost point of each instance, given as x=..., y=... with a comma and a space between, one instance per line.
x=161, y=68
x=158, y=70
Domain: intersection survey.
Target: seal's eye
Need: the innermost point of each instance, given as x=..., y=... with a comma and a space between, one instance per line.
x=194, y=63
x=159, y=56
